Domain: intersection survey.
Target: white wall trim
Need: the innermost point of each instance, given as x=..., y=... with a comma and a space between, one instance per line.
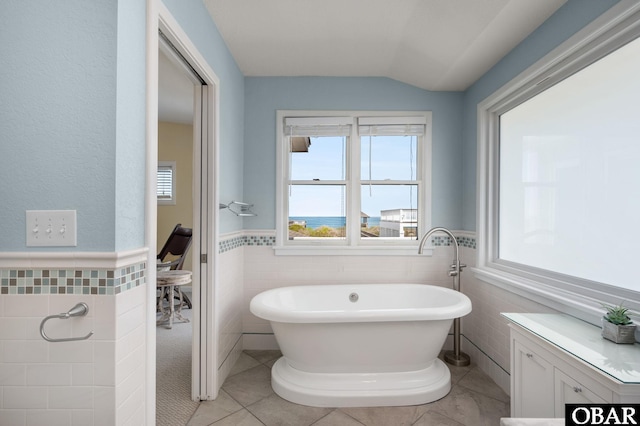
x=256, y=232
x=77, y=260
x=612, y=29
x=232, y=235
x=151, y=204
x=355, y=244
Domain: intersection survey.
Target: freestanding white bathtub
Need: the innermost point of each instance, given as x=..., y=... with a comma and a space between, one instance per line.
x=360, y=345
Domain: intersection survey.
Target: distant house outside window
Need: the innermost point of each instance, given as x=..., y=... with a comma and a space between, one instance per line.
x=166, y=183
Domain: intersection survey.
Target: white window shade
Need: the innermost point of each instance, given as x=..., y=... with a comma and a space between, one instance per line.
x=166, y=183
x=392, y=126
x=317, y=126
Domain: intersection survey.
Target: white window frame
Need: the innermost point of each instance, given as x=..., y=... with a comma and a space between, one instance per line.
x=353, y=244
x=169, y=201
x=577, y=297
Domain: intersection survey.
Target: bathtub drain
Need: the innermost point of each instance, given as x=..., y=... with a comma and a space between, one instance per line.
x=353, y=297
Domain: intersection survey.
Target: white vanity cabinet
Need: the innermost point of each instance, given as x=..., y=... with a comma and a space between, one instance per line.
x=570, y=391
x=558, y=360
x=530, y=396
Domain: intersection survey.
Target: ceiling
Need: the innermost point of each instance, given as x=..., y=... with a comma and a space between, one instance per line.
x=432, y=44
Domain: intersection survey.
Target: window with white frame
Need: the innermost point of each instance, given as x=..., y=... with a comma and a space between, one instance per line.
x=353, y=179
x=559, y=176
x=166, y=183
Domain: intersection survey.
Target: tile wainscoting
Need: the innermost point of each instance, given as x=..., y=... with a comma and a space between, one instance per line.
x=267, y=238
x=263, y=270
x=98, y=381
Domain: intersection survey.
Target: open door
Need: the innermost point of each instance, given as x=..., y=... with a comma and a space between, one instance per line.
x=203, y=366
x=174, y=43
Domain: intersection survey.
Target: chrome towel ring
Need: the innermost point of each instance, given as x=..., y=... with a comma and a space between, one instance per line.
x=79, y=310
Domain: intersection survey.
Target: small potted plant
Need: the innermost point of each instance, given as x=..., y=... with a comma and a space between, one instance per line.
x=617, y=326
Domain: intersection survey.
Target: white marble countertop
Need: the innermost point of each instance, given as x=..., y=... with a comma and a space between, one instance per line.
x=583, y=340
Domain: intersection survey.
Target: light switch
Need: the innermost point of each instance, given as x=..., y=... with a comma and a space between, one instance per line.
x=51, y=228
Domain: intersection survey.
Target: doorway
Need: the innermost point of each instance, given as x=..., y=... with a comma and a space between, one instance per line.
x=176, y=399
x=168, y=39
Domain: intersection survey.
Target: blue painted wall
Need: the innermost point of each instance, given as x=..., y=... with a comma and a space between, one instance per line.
x=72, y=124
x=265, y=95
x=567, y=21
x=72, y=117
x=195, y=20
x=130, y=154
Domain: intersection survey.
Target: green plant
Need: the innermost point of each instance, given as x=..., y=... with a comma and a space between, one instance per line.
x=618, y=315
x=323, y=231
x=297, y=228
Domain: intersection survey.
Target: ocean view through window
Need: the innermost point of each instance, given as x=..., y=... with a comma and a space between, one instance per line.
x=352, y=179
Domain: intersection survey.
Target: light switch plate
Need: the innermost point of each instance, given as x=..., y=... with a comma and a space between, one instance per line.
x=51, y=228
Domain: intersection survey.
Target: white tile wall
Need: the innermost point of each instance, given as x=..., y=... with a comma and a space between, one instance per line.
x=485, y=331
x=99, y=381
x=229, y=299
x=129, y=355
x=45, y=383
x=264, y=270
x=104, y=409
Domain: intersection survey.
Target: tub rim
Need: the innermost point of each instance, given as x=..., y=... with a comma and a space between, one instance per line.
x=271, y=313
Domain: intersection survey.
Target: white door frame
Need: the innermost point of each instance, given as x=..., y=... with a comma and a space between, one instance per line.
x=204, y=367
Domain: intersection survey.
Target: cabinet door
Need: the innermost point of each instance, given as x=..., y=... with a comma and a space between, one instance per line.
x=532, y=384
x=570, y=391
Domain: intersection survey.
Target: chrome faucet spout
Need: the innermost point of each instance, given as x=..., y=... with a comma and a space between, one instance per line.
x=455, y=357
x=456, y=267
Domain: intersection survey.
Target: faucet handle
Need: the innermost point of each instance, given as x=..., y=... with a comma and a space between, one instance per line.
x=453, y=270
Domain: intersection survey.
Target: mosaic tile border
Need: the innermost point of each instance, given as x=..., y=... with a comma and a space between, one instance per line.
x=262, y=240
x=107, y=282
x=446, y=241
x=246, y=240
x=231, y=244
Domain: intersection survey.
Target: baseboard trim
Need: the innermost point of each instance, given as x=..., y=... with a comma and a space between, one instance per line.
x=487, y=364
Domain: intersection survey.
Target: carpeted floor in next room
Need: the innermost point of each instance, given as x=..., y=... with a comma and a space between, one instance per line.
x=174, y=406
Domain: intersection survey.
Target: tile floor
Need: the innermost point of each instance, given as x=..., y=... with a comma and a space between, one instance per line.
x=246, y=399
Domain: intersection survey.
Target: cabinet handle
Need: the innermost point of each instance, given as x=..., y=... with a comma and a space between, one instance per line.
x=577, y=389
x=529, y=355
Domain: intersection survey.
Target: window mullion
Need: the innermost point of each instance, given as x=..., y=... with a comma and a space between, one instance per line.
x=353, y=188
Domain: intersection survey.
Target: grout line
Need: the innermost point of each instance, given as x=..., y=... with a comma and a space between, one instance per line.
x=486, y=354
x=231, y=351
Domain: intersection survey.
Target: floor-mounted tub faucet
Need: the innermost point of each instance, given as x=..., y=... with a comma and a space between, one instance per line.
x=456, y=266
x=454, y=357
